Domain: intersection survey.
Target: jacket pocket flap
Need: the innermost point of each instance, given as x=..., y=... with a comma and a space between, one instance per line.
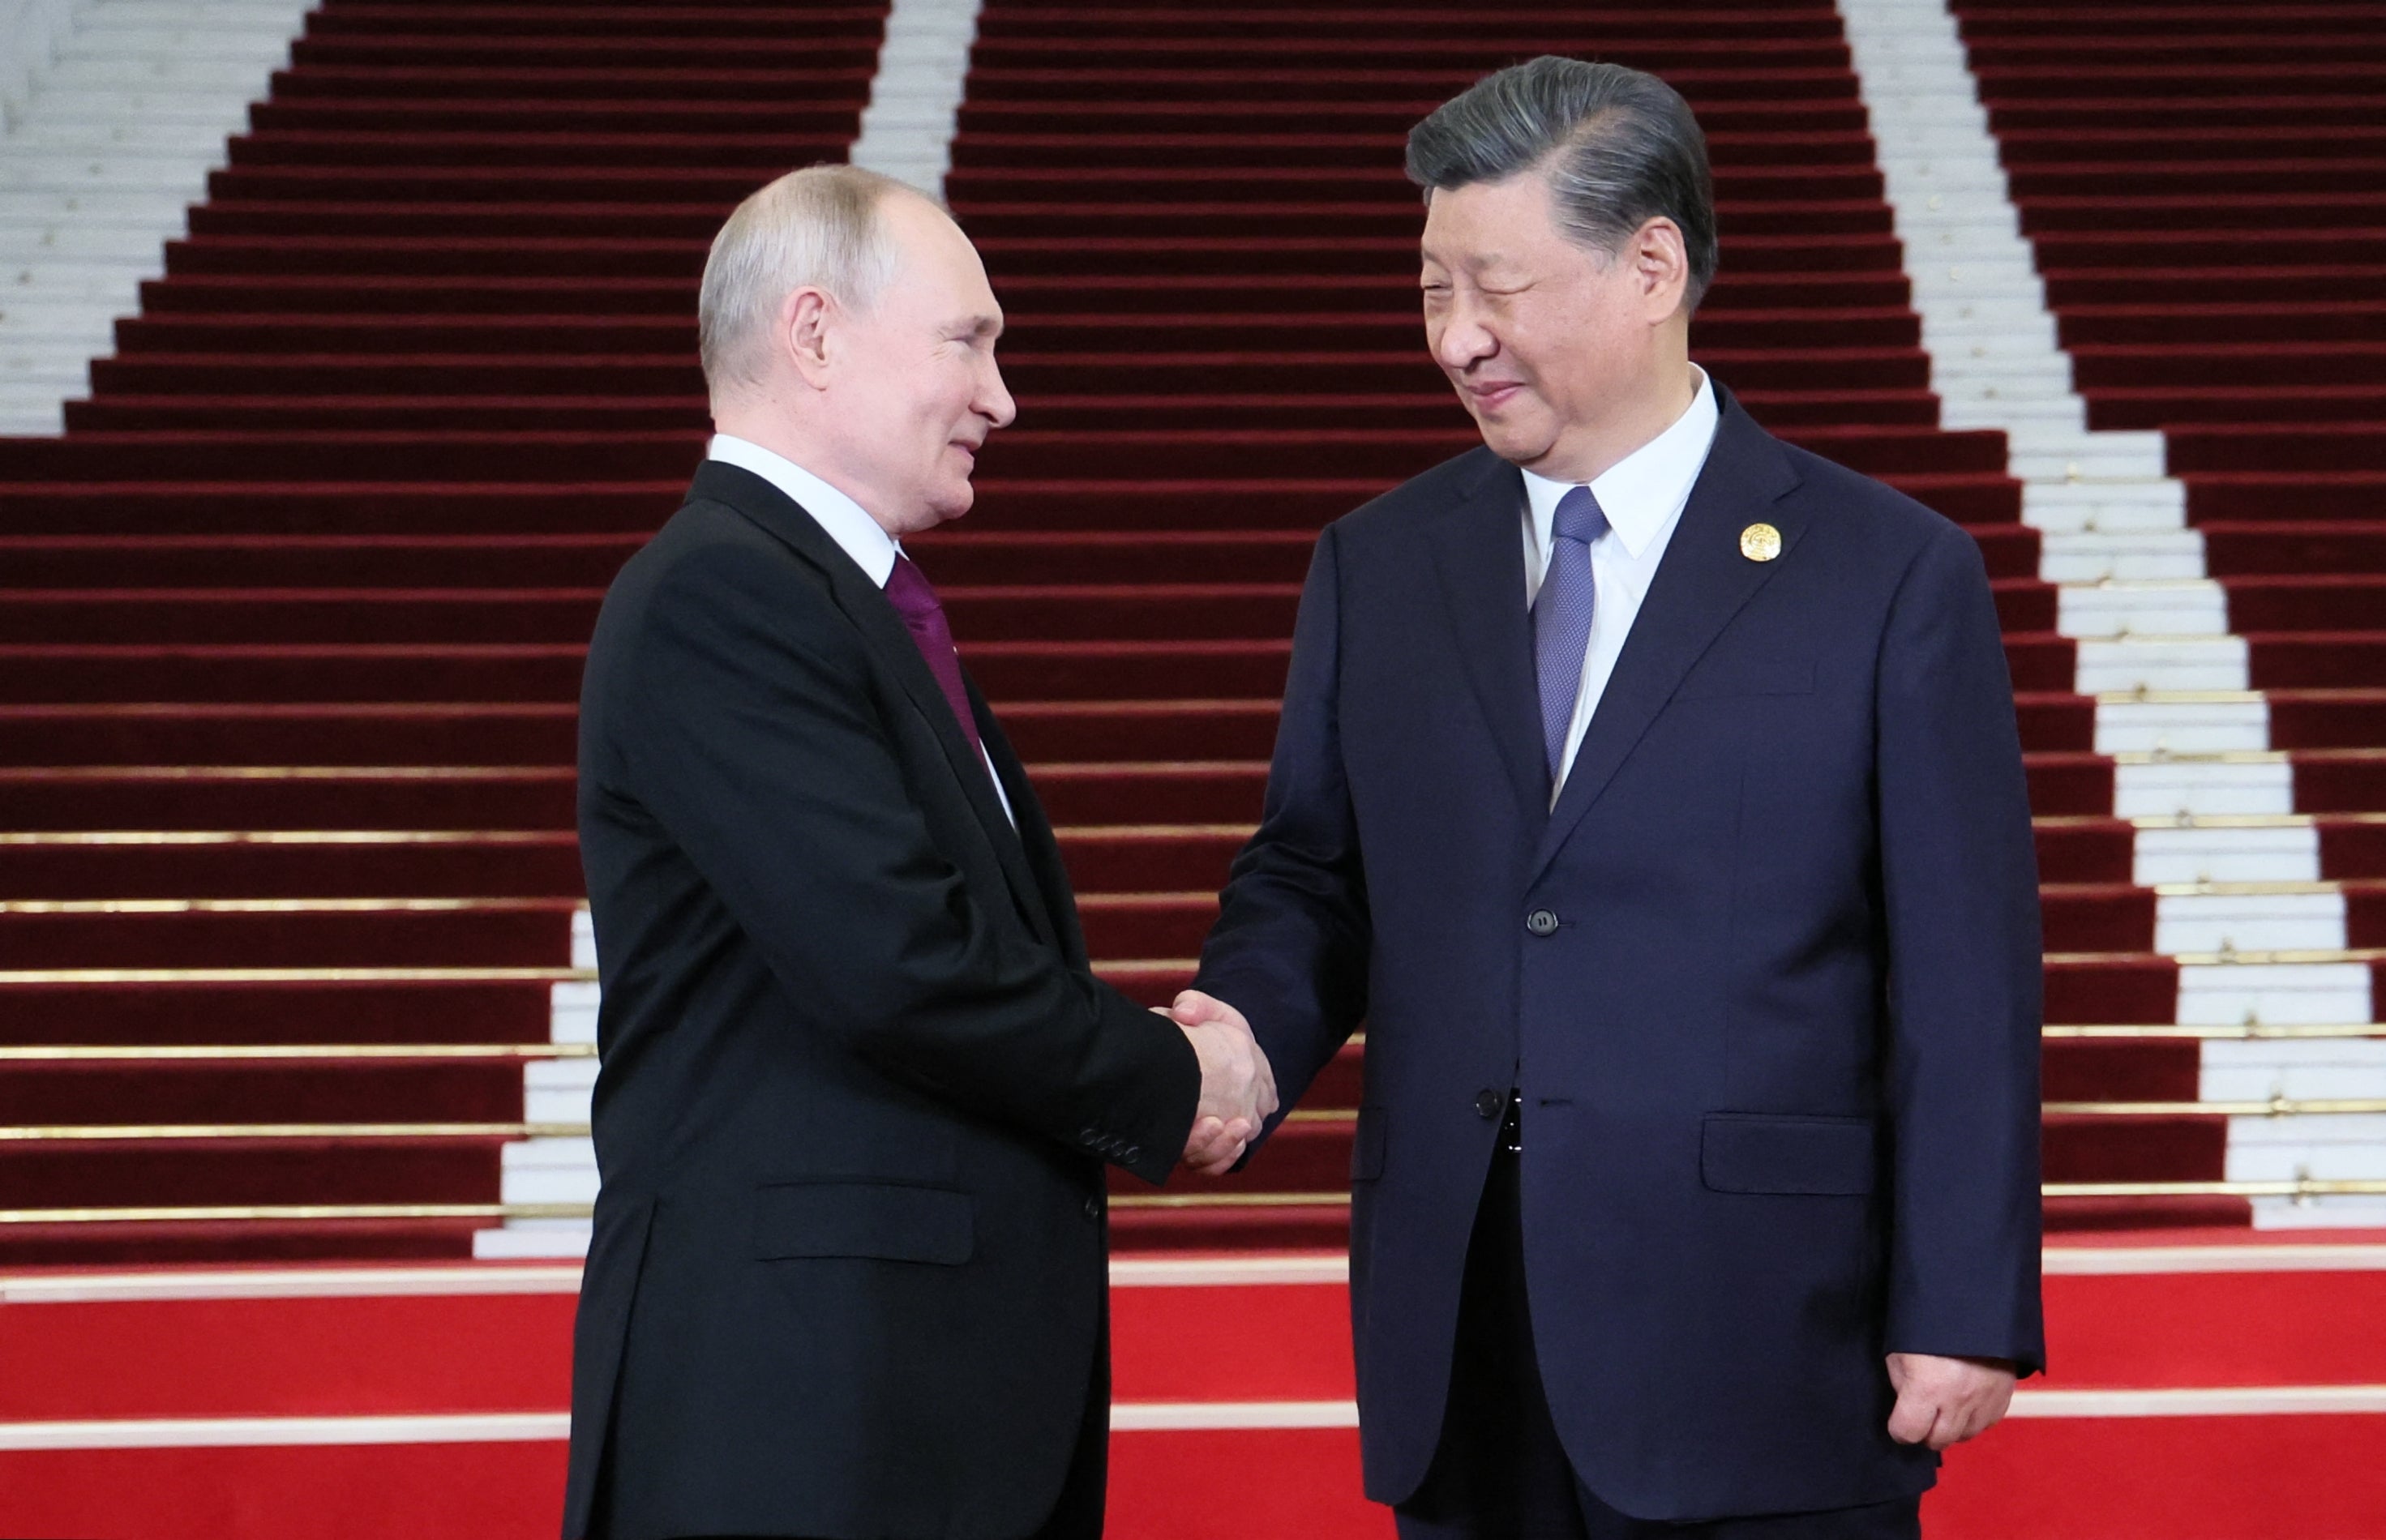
x=1367, y=1145
x=1742, y=1152
x=864, y=1218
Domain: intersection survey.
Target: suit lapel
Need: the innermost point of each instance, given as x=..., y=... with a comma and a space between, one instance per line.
x=1701, y=582
x=1481, y=566
x=1055, y=914
x=865, y=603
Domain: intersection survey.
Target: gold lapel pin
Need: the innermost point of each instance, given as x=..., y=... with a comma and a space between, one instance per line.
x=1760, y=542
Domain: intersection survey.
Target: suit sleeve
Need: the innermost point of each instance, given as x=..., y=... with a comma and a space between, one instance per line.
x=1960, y=883
x=1289, y=949
x=760, y=749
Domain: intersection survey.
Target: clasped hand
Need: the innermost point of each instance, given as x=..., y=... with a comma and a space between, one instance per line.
x=1237, y=1086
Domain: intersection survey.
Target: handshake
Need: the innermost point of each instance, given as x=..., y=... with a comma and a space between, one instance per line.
x=1237, y=1086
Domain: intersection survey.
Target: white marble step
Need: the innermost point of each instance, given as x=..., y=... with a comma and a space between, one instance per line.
x=1988, y=315
x=104, y=149
x=572, y=1013
x=2025, y=399
x=1952, y=179
x=2168, y=664
x=548, y=1171
x=2022, y=371
x=559, y=1090
x=2212, y=849
x=2196, y=723
x=78, y=241
x=2278, y=994
x=525, y=1240
x=1984, y=272
x=2124, y=608
x=2332, y=1212
x=101, y=14
x=210, y=40
x=242, y=78
x=2327, y=1069
x=2128, y=663
x=2343, y=1146
x=90, y=281
x=2230, y=785
x=1957, y=234
x=907, y=128
x=99, y=112
x=2259, y=918
x=198, y=144
x=32, y=417
x=183, y=176
x=2074, y=463
x=2104, y=504
x=27, y=380
x=113, y=206
x=2150, y=561
x=2057, y=421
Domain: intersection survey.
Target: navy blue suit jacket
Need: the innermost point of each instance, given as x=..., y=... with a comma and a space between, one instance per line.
x=1779, y=1053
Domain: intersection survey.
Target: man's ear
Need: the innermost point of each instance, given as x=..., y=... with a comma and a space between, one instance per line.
x=1660, y=264
x=807, y=318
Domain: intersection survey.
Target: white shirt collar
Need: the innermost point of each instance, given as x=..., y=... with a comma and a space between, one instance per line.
x=1642, y=492
x=860, y=536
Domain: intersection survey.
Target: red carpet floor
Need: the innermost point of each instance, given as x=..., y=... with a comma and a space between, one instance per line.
x=1201, y=1356
x=294, y=612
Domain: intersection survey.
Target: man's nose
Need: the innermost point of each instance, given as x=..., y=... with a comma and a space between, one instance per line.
x=1462, y=339
x=994, y=402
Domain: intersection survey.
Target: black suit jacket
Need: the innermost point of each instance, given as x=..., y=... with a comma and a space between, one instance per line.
x=1768, y=975
x=848, y=1276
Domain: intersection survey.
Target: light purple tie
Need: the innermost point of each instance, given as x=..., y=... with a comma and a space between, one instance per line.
x=1562, y=617
x=908, y=590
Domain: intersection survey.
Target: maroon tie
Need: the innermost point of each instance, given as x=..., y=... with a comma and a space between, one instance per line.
x=908, y=590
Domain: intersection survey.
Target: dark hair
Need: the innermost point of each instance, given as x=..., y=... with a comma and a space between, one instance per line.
x=1619, y=148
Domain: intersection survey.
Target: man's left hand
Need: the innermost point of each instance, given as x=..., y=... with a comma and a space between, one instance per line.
x=1944, y=1401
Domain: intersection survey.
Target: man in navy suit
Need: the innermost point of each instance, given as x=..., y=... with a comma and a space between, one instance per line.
x=1652, y=790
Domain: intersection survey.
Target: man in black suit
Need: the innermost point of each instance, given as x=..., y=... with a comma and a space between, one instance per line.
x=1652, y=790
x=848, y=1271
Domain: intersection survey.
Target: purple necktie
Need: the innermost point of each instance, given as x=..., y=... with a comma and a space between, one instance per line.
x=908, y=590
x=1562, y=617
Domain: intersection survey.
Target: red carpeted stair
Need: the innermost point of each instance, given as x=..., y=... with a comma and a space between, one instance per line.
x=291, y=616
x=2205, y=187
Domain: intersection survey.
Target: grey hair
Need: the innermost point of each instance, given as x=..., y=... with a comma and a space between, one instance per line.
x=1619, y=148
x=818, y=227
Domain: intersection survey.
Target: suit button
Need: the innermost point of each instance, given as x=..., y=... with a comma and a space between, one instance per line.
x=1093, y=1207
x=1489, y=1103
x=1543, y=922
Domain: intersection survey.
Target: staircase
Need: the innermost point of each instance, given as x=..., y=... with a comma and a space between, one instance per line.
x=112, y=112
x=2201, y=188
x=291, y=960
x=293, y=615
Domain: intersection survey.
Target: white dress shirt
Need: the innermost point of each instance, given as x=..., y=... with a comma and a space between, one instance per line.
x=858, y=535
x=1642, y=495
